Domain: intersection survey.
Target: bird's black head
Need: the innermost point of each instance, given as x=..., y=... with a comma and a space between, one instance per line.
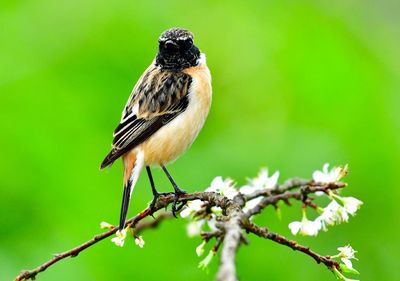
x=176, y=50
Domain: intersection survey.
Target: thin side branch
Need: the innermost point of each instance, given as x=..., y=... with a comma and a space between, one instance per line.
x=263, y=232
x=31, y=274
x=152, y=223
x=301, y=194
x=286, y=186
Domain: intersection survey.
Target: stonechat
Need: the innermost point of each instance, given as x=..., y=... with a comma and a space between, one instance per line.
x=164, y=114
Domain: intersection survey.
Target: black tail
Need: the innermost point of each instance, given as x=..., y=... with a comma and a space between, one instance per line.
x=110, y=158
x=126, y=197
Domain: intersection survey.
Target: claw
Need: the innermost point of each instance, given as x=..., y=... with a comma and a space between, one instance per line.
x=178, y=193
x=152, y=206
x=183, y=203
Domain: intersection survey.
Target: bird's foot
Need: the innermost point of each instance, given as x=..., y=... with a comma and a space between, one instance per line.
x=153, y=203
x=178, y=194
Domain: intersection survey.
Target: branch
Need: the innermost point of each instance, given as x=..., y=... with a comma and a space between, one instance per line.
x=153, y=223
x=288, y=185
x=163, y=201
x=233, y=235
x=31, y=274
x=230, y=224
x=305, y=190
x=263, y=232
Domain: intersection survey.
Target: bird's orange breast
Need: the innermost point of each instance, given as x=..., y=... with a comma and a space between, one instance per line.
x=174, y=138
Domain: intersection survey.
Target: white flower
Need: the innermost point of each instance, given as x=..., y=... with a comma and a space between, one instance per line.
x=247, y=189
x=120, y=237
x=207, y=260
x=106, y=225
x=348, y=263
x=332, y=176
x=251, y=204
x=310, y=228
x=332, y=214
x=261, y=182
x=223, y=187
x=192, y=208
x=139, y=241
x=200, y=248
x=264, y=181
x=347, y=252
x=212, y=223
x=193, y=228
x=351, y=204
x=295, y=227
x=305, y=227
x=335, y=213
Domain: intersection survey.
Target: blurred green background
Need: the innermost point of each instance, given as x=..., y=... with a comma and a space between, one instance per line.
x=295, y=84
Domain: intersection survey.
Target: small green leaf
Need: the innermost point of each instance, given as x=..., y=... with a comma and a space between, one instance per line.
x=340, y=276
x=344, y=268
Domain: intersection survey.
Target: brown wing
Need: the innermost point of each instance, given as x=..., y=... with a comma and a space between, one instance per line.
x=158, y=97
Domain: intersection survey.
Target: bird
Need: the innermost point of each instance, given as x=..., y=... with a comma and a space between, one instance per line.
x=164, y=113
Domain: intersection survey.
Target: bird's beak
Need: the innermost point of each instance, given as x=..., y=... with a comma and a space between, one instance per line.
x=171, y=45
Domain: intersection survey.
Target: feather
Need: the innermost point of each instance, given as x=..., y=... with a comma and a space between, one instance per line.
x=157, y=98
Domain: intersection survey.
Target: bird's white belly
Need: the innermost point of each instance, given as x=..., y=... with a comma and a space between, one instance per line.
x=175, y=137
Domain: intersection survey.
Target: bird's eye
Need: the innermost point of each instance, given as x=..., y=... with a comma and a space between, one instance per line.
x=187, y=43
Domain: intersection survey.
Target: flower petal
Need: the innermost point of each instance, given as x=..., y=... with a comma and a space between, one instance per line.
x=272, y=181
x=200, y=249
x=347, y=262
x=207, y=260
x=194, y=228
x=295, y=227
x=106, y=225
x=139, y=241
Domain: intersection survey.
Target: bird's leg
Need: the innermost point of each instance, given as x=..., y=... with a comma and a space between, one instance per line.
x=178, y=192
x=156, y=194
